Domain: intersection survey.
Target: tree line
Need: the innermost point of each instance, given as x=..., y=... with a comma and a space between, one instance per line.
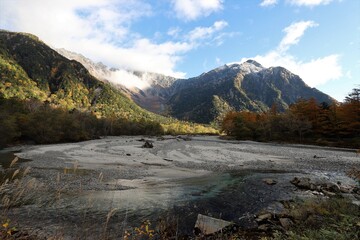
x=306, y=121
x=38, y=122
x=34, y=121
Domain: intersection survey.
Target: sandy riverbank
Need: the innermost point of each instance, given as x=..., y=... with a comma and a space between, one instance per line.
x=97, y=176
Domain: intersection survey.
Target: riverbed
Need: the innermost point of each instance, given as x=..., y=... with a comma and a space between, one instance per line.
x=101, y=188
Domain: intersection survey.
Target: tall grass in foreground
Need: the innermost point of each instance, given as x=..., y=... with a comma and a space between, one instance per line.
x=16, y=189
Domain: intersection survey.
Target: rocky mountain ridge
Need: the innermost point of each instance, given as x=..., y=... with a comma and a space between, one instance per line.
x=235, y=87
x=207, y=97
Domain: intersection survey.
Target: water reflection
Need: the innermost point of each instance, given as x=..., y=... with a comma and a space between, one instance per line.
x=162, y=195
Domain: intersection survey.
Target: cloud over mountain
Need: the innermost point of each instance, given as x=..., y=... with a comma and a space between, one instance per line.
x=315, y=71
x=193, y=9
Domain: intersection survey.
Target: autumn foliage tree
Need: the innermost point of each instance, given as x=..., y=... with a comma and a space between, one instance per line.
x=304, y=121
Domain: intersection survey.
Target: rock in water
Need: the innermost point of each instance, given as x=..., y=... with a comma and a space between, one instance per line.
x=269, y=181
x=148, y=144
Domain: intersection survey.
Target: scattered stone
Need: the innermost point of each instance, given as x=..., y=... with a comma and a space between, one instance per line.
x=264, y=227
x=316, y=188
x=277, y=209
x=331, y=187
x=269, y=181
x=286, y=223
x=185, y=138
x=356, y=190
x=207, y=225
x=303, y=183
x=346, y=189
x=263, y=217
x=317, y=193
x=148, y=144
x=329, y=194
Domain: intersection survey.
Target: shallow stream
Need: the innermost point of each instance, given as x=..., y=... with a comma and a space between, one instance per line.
x=231, y=196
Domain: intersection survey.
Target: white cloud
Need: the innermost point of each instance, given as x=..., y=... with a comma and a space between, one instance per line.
x=56, y=21
x=206, y=32
x=309, y=3
x=293, y=33
x=174, y=32
x=193, y=9
x=314, y=72
x=299, y=3
x=267, y=3
x=128, y=79
x=101, y=30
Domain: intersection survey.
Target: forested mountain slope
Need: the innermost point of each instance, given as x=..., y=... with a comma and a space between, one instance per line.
x=31, y=69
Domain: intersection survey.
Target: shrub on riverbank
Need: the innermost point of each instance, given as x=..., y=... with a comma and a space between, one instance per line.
x=332, y=218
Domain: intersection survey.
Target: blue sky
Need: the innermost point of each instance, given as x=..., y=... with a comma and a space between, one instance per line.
x=319, y=40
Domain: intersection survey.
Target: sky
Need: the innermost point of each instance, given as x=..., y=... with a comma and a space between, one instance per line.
x=319, y=40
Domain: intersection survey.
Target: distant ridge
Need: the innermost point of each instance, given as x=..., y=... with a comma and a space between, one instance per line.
x=206, y=98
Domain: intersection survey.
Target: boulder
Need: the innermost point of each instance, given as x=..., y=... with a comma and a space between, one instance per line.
x=264, y=227
x=328, y=188
x=269, y=181
x=303, y=183
x=207, y=225
x=148, y=144
x=263, y=217
x=331, y=187
x=286, y=223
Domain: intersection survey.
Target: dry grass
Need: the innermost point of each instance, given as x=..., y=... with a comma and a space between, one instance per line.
x=16, y=189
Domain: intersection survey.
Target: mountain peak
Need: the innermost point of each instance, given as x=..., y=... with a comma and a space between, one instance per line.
x=253, y=62
x=250, y=66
